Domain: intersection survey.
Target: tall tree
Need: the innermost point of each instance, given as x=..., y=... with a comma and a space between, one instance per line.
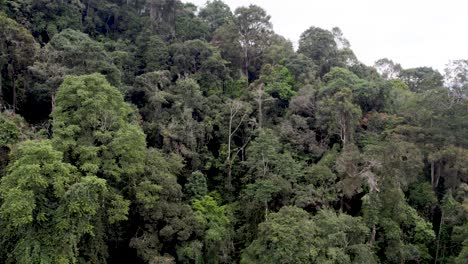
x=319, y=45
x=17, y=51
x=255, y=29
x=388, y=69
x=164, y=223
x=339, y=116
x=96, y=131
x=456, y=78
x=421, y=79
x=70, y=53
x=216, y=13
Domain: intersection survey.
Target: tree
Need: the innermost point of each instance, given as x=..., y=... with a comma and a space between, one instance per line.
x=163, y=15
x=338, y=115
x=320, y=46
x=44, y=19
x=317, y=189
x=70, y=53
x=96, y=131
x=421, y=79
x=268, y=158
x=227, y=39
x=303, y=68
x=217, y=240
x=272, y=171
x=155, y=53
x=279, y=51
x=238, y=114
x=188, y=25
x=165, y=223
x=395, y=224
x=456, y=78
x=47, y=207
x=300, y=133
x=200, y=61
x=196, y=186
x=278, y=81
x=354, y=169
x=388, y=69
x=183, y=126
x=13, y=129
x=17, y=51
x=286, y=237
x=293, y=236
x=216, y=13
x=451, y=236
x=254, y=27
x=342, y=239
x=304, y=103
x=341, y=41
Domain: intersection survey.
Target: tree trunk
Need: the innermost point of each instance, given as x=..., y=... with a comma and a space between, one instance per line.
x=433, y=175
x=372, y=237
x=228, y=183
x=53, y=95
x=438, y=236
x=14, y=95
x=246, y=65
x=174, y=20
x=343, y=129
x=439, y=173
x=1, y=92
x=260, y=114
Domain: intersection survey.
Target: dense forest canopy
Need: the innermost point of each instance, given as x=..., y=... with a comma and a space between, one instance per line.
x=156, y=131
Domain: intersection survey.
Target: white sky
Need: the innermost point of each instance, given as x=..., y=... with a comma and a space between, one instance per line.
x=410, y=32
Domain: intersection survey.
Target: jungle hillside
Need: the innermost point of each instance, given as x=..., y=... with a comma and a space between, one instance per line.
x=160, y=132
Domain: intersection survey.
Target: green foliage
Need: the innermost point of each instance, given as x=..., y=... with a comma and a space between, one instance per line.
x=196, y=186
x=46, y=206
x=422, y=197
x=155, y=53
x=262, y=191
x=319, y=45
x=74, y=53
x=216, y=13
x=218, y=233
x=164, y=218
x=257, y=153
x=421, y=79
x=267, y=159
x=319, y=188
x=389, y=211
x=278, y=81
x=188, y=26
x=95, y=130
x=343, y=239
x=293, y=236
x=339, y=116
x=9, y=131
x=254, y=29
x=203, y=61
x=286, y=237
x=93, y=127
x=17, y=51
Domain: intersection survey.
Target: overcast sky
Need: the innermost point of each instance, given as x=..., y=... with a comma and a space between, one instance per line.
x=411, y=32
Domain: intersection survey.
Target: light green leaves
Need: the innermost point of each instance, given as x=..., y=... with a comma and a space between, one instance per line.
x=46, y=207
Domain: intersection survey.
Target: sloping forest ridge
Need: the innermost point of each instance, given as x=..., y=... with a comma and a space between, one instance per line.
x=154, y=131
